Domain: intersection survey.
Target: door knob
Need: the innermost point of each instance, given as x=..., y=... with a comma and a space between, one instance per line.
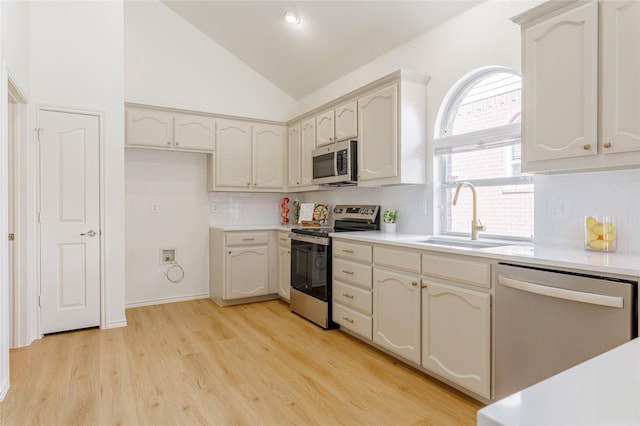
x=89, y=233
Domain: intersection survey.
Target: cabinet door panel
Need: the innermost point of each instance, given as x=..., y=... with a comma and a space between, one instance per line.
x=247, y=272
x=324, y=128
x=293, y=149
x=456, y=340
x=378, y=134
x=149, y=128
x=284, y=271
x=560, y=92
x=396, y=313
x=233, y=155
x=268, y=157
x=620, y=80
x=194, y=132
x=346, y=117
x=308, y=143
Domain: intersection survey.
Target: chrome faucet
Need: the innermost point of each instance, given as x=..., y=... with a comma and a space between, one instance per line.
x=476, y=226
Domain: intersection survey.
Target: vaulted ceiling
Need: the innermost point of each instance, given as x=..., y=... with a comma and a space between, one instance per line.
x=332, y=39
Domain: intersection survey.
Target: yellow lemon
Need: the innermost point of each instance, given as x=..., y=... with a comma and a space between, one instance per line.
x=591, y=236
x=599, y=245
x=591, y=222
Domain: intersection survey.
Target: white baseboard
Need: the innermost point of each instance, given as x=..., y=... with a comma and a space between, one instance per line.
x=4, y=389
x=166, y=300
x=116, y=324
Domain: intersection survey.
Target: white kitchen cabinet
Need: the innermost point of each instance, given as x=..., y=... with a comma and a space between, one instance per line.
x=392, y=134
x=456, y=335
x=233, y=155
x=565, y=127
x=294, y=164
x=243, y=267
x=247, y=157
x=337, y=124
x=620, y=80
x=325, y=128
x=351, y=295
x=150, y=128
x=268, y=157
x=301, y=141
x=396, y=312
x=284, y=265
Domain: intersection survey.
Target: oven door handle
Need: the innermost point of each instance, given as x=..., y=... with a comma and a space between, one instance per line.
x=561, y=293
x=310, y=239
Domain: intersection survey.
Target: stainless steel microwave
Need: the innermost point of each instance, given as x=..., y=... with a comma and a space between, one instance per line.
x=335, y=164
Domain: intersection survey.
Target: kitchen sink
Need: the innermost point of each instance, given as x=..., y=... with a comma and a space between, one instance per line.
x=472, y=244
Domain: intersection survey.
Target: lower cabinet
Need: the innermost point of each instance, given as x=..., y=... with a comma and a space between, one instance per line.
x=241, y=266
x=396, y=308
x=247, y=272
x=284, y=265
x=456, y=335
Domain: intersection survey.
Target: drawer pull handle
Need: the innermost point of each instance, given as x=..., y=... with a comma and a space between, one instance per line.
x=347, y=251
x=347, y=319
x=283, y=239
x=347, y=295
x=248, y=239
x=347, y=272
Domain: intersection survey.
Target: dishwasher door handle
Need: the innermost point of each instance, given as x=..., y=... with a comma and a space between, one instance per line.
x=561, y=293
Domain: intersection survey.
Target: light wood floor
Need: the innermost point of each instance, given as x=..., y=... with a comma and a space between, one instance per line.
x=196, y=363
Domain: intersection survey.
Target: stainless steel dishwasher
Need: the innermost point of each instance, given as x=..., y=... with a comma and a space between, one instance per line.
x=547, y=321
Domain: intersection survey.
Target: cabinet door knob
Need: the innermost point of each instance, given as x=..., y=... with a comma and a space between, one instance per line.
x=424, y=286
x=586, y=147
x=168, y=142
x=607, y=145
x=248, y=183
x=414, y=283
x=177, y=143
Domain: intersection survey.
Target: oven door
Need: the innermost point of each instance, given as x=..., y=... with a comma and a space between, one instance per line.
x=311, y=265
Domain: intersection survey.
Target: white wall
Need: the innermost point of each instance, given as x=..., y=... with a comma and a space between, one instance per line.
x=77, y=60
x=176, y=181
x=15, y=42
x=170, y=63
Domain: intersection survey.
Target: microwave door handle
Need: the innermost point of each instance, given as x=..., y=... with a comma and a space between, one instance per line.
x=335, y=163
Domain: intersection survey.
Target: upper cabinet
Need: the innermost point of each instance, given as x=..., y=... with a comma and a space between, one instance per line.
x=150, y=128
x=392, y=133
x=337, y=124
x=301, y=141
x=248, y=157
x=581, y=90
x=294, y=178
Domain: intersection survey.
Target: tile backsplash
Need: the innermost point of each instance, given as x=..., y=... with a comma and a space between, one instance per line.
x=561, y=202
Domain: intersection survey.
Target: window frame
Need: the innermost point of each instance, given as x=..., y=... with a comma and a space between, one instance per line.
x=493, y=137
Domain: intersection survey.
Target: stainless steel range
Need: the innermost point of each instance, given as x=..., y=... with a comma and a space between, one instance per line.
x=311, y=261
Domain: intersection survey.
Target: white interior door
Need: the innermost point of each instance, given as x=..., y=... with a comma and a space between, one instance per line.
x=70, y=221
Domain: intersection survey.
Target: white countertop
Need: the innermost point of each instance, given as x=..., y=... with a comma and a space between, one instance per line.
x=536, y=254
x=604, y=390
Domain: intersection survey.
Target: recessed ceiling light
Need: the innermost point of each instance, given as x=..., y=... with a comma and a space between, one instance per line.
x=292, y=18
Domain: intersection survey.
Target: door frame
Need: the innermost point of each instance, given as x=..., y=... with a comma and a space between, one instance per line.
x=100, y=115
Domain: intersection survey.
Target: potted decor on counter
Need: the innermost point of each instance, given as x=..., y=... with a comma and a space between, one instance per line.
x=389, y=218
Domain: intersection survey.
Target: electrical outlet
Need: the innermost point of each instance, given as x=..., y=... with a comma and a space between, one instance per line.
x=154, y=208
x=213, y=208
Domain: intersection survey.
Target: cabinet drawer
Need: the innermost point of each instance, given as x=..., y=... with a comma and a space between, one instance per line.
x=352, y=320
x=247, y=238
x=458, y=270
x=352, y=297
x=355, y=273
x=355, y=251
x=397, y=259
x=283, y=239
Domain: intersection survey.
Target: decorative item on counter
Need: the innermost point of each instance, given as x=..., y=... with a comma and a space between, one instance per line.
x=600, y=233
x=389, y=218
x=320, y=213
x=313, y=215
x=284, y=216
x=296, y=212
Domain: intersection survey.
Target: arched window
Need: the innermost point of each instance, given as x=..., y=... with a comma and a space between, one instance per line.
x=477, y=140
